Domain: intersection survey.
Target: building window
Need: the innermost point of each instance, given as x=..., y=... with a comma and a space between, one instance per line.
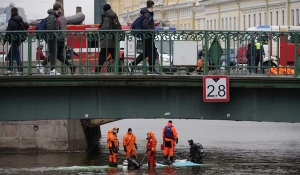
x=292, y=18
x=211, y=25
x=282, y=17
x=277, y=20
x=234, y=23
x=260, y=19
x=249, y=21
x=265, y=18
x=215, y=24
x=271, y=18
x=207, y=25
x=230, y=24
x=180, y=26
x=184, y=26
x=198, y=26
x=222, y=23
x=189, y=26
x=297, y=17
x=244, y=22
x=254, y=20
x=226, y=24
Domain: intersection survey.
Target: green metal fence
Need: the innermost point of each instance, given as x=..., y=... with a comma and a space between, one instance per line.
x=274, y=53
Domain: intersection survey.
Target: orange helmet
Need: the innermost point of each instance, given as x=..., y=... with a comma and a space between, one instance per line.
x=151, y=133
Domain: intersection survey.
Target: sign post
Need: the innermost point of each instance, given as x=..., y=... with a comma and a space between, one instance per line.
x=216, y=88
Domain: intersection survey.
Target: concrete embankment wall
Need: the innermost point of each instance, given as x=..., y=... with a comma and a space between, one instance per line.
x=44, y=135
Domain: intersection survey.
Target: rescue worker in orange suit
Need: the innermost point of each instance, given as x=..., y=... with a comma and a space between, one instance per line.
x=113, y=146
x=169, y=136
x=151, y=149
x=129, y=143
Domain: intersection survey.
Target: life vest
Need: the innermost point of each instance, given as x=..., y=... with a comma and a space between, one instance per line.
x=112, y=141
x=168, y=132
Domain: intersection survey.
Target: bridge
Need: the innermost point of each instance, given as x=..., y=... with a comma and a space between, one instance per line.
x=177, y=92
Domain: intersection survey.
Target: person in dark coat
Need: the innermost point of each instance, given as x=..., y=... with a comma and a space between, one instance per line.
x=150, y=49
x=15, y=42
x=251, y=52
x=260, y=55
x=107, y=43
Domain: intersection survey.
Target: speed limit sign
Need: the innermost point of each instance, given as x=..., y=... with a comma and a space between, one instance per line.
x=216, y=88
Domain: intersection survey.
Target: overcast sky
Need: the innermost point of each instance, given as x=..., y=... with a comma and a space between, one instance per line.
x=37, y=9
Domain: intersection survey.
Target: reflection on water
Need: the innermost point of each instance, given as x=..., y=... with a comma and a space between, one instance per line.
x=230, y=148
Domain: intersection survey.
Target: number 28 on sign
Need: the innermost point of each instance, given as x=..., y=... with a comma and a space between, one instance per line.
x=216, y=88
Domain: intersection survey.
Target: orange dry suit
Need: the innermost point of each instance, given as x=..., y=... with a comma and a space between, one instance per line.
x=151, y=149
x=169, y=136
x=129, y=143
x=113, y=146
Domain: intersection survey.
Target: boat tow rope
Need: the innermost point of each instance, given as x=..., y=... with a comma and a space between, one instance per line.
x=143, y=158
x=178, y=156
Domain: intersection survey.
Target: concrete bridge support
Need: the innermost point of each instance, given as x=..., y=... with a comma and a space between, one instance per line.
x=51, y=135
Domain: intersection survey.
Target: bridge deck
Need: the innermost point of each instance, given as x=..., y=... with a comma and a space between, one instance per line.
x=252, y=81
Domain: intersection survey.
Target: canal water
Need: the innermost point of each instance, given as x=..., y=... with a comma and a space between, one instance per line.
x=231, y=147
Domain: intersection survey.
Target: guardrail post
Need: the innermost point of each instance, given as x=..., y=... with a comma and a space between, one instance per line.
x=228, y=55
x=30, y=54
x=205, y=71
x=117, y=52
x=296, y=66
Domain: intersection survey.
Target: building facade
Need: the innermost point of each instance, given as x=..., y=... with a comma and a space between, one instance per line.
x=214, y=14
x=5, y=15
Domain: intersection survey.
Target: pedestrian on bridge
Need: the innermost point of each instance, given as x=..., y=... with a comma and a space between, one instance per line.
x=170, y=136
x=129, y=143
x=113, y=146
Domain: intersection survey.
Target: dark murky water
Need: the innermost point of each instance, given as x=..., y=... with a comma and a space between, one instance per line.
x=230, y=147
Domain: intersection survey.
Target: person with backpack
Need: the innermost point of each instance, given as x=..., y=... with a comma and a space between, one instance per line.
x=196, y=152
x=107, y=44
x=55, y=40
x=146, y=22
x=15, y=23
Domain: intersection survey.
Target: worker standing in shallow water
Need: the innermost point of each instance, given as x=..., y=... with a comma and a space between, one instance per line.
x=169, y=136
x=129, y=143
x=113, y=146
x=151, y=149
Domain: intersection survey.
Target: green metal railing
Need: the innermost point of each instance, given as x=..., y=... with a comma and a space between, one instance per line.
x=225, y=52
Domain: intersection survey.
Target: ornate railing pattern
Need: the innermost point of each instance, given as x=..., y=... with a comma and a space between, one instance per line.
x=225, y=51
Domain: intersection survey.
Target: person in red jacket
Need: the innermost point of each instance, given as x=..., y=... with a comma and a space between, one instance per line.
x=39, y=55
